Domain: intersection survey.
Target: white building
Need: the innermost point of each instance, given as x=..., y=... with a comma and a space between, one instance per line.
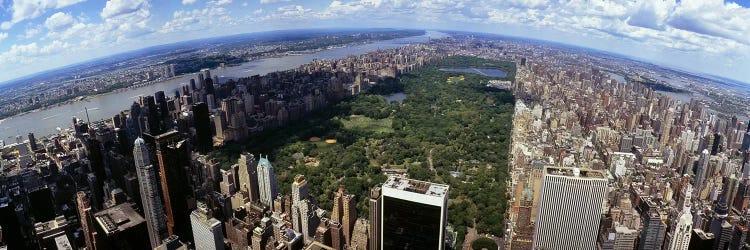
x=570, y=208
x=266, y=182
x=683, y=228
x=206, y=230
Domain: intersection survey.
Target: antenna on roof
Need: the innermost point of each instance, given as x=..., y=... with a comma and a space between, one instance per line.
x=87, y=115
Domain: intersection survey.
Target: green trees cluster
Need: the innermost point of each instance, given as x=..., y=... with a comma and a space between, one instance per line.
x=456, y=134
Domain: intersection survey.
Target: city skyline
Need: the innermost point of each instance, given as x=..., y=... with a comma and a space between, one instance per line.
x=37, y=36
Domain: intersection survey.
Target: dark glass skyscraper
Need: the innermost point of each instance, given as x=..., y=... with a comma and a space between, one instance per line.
x=413, y=215
x=202, y=124
x=173, y=154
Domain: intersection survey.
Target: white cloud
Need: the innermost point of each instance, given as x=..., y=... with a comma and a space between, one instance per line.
x=186, y=2
x=29, y=53
x=3, y=35
x=220, y=2
x=124, y=19
x=198, y=19
x=124, y=8
x=59, y=21
x=274, y=1
x=25, y=9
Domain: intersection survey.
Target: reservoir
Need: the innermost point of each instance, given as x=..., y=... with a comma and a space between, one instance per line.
x=482, y=71
x=45, y=122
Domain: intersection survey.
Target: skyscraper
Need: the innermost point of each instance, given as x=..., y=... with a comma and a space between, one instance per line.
x=683, y=227
x=206, y=230
x=700, y=173
x=654, y=228
x=414, y=214
x=173, y=155
x=301, y=207
x=32, y=142
x=266, y=182
x=374, y=205
x=87, y=219
x=248, y=176
x=560, y=225
x=149, y=188
x=345, y=213
x=202, y=123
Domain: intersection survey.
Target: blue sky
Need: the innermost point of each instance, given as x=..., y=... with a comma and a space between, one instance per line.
x=707, y=36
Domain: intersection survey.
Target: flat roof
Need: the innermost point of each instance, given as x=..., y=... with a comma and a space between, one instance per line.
x=571, y=172
x=416, y=186
x=118, y=218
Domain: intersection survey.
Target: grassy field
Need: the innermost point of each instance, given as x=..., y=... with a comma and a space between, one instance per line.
x=368, y=124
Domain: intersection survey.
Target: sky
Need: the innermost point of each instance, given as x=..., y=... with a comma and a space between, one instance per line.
x=703, y=36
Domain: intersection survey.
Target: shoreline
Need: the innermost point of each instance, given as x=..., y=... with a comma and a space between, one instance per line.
x=140, y=85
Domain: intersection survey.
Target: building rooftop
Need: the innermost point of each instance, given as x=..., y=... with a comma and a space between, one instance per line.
x=118, y=218
x=575, y=172
x=415, y=186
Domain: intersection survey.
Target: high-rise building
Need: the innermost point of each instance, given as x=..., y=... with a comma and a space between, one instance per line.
x=344, y=212
x=654, y=228
x=560, y=225
x=414, y=214
x=121, y=227
x=375, y=207
x=96, y=166
x=87, y=219
x=301, y=208
x=173, y=154
x=206, y=229
x=248, y=176
x=32, y=142
x=700, y=173
x=202, y=121
x=149, y=190
x=266, y=182
x=683, y=227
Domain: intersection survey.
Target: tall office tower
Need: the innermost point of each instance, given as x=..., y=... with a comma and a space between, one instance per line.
x=153, y=123
x=301, y=207
x=173, y=154
x=96, y=166
x=344, y=212
x=716, y=145
x=414, y=214
x=721, y=211
x=724, y=237
x=560, y=225
x=210, y=86
x=161, y=104
x=32, y=142
x=192, y=85
x=745, y=142
x=266, y=182
x=248, y=176
x=654, y=229
x=137, y=121
x=149, y=187
x=375, y=207
x=666, y=127
x=87, y=219
x=683, y=227
x=700, y=173
x=202, y=121
x=206, y=229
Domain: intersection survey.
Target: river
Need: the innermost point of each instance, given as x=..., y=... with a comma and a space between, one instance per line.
x=45, y=122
